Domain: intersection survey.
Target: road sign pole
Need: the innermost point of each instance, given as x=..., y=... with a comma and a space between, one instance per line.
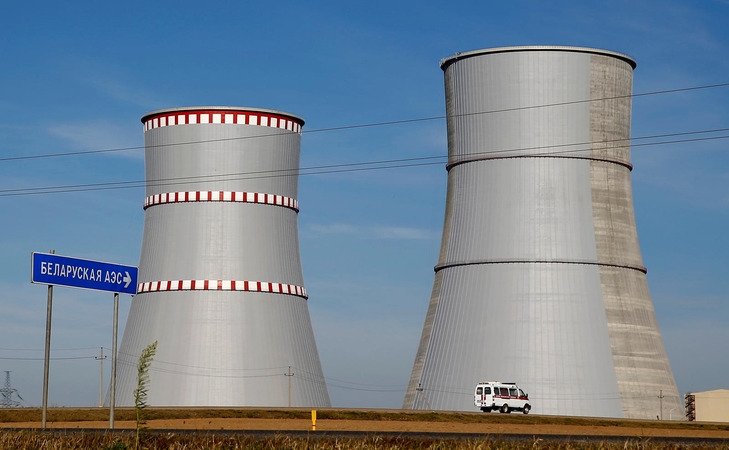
x=57, y=270
x=112, y=389
x=47, y=358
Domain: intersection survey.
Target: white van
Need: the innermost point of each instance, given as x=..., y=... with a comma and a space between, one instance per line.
x=505, y=397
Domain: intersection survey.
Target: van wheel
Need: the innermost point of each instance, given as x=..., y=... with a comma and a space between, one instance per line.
x=526, y=409
x=505, y=409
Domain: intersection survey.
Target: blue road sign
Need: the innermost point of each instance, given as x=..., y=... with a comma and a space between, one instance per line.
x=59, y=270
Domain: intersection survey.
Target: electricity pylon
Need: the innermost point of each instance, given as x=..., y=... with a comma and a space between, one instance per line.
x=6, y=394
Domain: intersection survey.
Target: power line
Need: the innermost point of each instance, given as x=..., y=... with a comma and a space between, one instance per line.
x=371, y=124
x=315, y=378
x=122, y=355
x=355, y=167
x=41, y=349
x=312, y=378
x=122, y=361
x=351, y=382
x=520, y=108
x=320, y=381
x=41, y=359
x=214, y=372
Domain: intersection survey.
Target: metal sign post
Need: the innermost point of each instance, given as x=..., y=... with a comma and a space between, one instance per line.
x=52, y=269
x=47, y=357
x=112, y=389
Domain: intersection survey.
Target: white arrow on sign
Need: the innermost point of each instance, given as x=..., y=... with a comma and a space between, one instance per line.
x=127, y=279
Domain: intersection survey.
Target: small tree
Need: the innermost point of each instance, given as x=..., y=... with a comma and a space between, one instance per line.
x=140, y=393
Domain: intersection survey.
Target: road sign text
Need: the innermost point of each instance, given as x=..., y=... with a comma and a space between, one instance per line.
x=73, y=272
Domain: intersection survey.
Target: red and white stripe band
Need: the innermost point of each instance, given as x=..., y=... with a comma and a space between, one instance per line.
x=257, y=118
x=221, y=196
x=221, y=285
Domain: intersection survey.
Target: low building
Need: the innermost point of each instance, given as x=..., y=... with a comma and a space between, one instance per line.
x=708, y=406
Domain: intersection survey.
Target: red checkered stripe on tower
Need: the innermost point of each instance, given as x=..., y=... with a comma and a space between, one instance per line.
x=221, y=196
x=221, y=285
x=256, y=118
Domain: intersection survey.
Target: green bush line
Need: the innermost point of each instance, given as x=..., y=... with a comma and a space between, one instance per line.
x=26, y=440
x=102, y=414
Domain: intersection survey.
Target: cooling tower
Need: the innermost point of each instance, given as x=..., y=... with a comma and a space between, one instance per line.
x=220, y=283
x=540, y=279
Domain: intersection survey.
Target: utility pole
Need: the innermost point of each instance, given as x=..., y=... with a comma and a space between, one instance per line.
x=289, y=375
x=660, y=398
x=101, y=359
x=422, y=392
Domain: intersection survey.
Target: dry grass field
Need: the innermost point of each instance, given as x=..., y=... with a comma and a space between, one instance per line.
x=493, y=425
x=104, y=441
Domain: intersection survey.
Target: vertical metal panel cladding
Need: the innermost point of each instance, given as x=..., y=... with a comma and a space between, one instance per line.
x=220, y=281
x=539, y=279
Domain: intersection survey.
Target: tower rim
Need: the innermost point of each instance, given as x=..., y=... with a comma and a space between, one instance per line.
x=447, y=61
x=158, y=112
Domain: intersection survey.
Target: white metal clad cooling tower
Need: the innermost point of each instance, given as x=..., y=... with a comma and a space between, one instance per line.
x=540, y=279
x=220, y=281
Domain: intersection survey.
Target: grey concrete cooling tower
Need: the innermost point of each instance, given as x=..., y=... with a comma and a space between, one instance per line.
x=540, y=279
x=220, y=281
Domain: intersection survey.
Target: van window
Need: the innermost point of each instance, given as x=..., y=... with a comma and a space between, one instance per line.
x=505, y=391
x=479, y=390
x=521, y=393
x=512, y=392
x=487, y=390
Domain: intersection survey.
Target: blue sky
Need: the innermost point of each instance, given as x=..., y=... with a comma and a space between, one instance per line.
x=78, y=76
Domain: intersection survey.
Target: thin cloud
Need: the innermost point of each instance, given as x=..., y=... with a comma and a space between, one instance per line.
x=401, y=233
x=19, y=315
x=679, y=27
x=99, y=135
x=112, y=80
x=374, y=232
x=336, y=228
x=696, y=349
x=696, y=186
x=354, y=349
x=125, y=94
